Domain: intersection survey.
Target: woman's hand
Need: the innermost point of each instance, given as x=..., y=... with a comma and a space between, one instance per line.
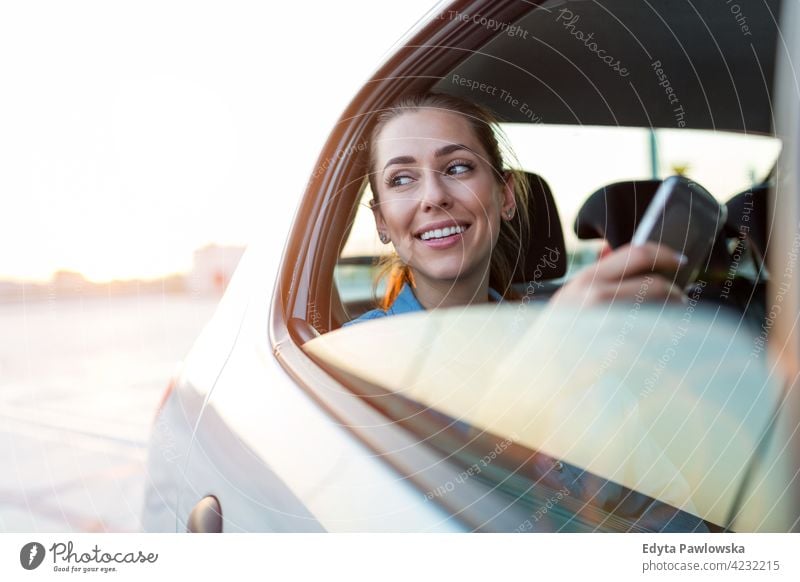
x=643, y=272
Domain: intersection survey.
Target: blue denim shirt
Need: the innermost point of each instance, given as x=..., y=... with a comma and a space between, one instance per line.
x=406, y=302
x=558, y=476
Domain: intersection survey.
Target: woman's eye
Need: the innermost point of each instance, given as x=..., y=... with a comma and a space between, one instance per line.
x=400, y=180
x=458, y=168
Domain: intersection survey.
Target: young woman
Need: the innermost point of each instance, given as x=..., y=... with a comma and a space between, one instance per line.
x=444, y=200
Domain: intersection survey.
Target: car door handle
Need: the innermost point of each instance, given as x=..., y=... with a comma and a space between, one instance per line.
x=206, y=517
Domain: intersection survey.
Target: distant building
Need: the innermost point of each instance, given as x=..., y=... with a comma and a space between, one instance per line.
x=69, y=282
x=212, y=268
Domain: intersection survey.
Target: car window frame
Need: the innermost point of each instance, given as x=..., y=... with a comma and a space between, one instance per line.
x=306, y=268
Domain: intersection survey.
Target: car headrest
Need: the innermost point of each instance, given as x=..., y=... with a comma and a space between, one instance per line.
x=546, y=256
x=613, y=212
x=747, y=216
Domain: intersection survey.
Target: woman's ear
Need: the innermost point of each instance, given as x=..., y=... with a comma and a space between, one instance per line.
x=509, y=201
x=380, y=223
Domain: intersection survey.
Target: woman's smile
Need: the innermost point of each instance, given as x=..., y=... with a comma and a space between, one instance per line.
x=442, y=235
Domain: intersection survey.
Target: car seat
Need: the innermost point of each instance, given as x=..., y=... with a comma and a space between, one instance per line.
x=613, y=212
x=545, y=259
x=747, y=217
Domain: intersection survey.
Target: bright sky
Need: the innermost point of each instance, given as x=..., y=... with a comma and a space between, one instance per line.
x=133, y=133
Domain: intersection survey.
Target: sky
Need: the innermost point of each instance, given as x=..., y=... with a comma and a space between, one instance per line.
x=132, y=134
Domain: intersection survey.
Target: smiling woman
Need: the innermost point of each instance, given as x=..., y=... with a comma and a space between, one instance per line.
x=445, y=200
x=440, y=191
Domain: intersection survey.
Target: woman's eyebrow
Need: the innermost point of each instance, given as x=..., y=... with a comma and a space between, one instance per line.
x=399, y=160
x=453, y=147
x=441, y=152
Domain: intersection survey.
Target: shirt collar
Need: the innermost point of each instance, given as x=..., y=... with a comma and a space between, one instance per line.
x=407, y=302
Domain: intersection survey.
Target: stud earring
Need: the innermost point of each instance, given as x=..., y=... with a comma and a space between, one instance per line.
x=509, y=214
x=384, y=237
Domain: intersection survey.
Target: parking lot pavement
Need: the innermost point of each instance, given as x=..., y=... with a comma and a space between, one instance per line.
x=61, y=478
x=78, y=393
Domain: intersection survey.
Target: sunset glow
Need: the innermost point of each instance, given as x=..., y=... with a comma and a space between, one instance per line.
x=129, y=141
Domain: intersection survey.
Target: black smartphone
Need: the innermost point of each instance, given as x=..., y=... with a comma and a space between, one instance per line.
x=686, y=217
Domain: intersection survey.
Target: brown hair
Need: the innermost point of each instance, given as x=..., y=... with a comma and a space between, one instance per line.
x=509, y=250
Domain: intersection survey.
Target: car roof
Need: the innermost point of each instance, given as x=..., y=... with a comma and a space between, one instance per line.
x=715, y=60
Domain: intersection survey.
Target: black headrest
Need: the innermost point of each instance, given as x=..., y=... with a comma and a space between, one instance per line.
x=546, y=256
x=747, y=217
x=614, y=211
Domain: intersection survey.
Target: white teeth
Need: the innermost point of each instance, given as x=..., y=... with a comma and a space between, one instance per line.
x=442, y=232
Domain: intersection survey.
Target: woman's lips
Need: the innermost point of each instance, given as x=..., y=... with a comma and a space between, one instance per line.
x=444, y=242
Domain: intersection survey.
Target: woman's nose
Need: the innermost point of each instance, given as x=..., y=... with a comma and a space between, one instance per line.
x=435, y=194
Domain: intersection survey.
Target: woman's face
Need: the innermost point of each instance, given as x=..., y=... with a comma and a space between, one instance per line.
x=440, y=202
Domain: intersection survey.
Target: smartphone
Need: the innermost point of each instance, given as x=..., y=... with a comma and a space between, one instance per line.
x=686, y=217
